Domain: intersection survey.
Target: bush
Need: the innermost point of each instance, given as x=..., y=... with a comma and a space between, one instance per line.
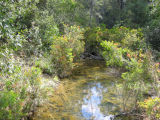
x=117, y=50
x=66, y=49
x=19, y=92
x=16, y=18
x=92, y=39
x=151, y=108
x=140, y=69
x=131, y=38
x=47, y=29
x=45, y=64
x=10, y=106
x=115, y=55
x=112, y=54
x=116, y=34
x=134, y=40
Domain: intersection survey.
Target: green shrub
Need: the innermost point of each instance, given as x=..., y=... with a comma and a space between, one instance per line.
x=47, y=29
x=132, y=39
x=19, y=92
x=112, y=54
x=10, y=106
x=141, y=74
x=16, y=18
x=92, y=39
x=116, y=34
x=45, y=64
x=66, y=49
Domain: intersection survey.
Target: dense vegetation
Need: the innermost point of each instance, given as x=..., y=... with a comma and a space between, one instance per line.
x=49, y=36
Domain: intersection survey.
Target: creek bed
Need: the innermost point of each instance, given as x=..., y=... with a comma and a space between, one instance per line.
x=93, y=92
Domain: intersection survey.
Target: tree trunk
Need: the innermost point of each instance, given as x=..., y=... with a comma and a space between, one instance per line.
x=91, y=12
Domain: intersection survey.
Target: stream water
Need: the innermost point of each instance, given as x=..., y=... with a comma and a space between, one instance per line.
x=93, y=92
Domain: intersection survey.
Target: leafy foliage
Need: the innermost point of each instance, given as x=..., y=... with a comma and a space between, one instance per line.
x=36, y=28
x=92, y=39
x=111, y=54
x=66, y=49
x=153, y=27
x=130, y=54
x=19, y=92
x=133, y=17
x=151, y=107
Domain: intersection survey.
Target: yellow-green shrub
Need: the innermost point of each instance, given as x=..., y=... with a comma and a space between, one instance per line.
x=130, y=54
x=112, y=54
x=45, y=64
x=116, y=34
x=66, y=49
x=151, y=108
x=131, y=38
x=19, y=92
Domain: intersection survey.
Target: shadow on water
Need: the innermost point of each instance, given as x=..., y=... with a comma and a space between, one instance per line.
x=93, y=92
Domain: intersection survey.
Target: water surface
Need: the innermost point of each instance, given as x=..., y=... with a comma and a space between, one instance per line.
x=93, y=92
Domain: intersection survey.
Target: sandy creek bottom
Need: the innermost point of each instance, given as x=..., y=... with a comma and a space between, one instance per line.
x=93, y=92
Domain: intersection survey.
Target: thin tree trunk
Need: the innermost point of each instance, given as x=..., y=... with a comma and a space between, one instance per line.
x=91, y=13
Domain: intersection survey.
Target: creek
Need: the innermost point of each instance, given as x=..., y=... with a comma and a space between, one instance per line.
x=93, y=92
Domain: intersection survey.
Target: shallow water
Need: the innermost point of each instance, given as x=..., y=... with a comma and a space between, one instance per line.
x=93, y=92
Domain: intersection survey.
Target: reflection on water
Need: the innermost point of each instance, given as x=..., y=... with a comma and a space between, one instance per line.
x=92, y=93
x=91, y=104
